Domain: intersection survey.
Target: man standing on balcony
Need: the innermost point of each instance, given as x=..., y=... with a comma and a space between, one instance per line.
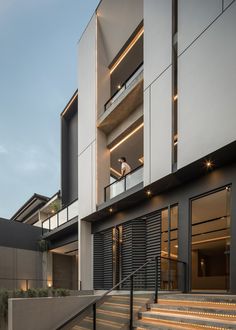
x=125, y=168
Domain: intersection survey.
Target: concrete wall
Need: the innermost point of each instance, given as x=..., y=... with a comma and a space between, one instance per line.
x=207, y=78
x=19, y=235
x=65, y=271
x=87, y=115
x=43, y=313
x=69, y=156
x=19, y=265
x=157, y=89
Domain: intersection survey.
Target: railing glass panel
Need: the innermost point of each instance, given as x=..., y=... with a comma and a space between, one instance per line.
x=73, y=210
x=127, y=182
x=62, y=216
x=53, y=221
x=66, y=214
x=46, y=225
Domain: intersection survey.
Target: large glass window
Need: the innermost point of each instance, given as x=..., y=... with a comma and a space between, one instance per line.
x=169, y=247
x=210, y=216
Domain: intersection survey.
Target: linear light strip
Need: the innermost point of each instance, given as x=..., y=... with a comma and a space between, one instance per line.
x=127, y=137
x=125, y=52
x=115, y=171
x=69, y=104
x=211, y=240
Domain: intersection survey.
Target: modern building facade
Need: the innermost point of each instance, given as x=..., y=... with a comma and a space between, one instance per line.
x=156, y=82
x=156, y=85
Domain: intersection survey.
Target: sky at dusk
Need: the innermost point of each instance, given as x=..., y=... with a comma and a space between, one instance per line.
x=38, y=66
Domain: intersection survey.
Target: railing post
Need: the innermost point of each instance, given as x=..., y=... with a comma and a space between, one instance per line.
x=185, y=278
x=105, y=195
x=156, y=281
x=94, y=316
x=131, y=301
x=27, y=284
x=125, y=183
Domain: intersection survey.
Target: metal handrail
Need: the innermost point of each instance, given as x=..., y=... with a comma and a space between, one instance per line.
x=122, y=86
x=120, y=179
x=131, y=276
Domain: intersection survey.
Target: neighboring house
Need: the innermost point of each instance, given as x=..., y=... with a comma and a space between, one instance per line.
x=58, y=215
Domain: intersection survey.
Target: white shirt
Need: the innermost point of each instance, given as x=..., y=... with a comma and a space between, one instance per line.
x=125, y=167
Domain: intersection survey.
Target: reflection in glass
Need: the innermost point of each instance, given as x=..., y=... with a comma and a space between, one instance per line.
x=169, y=247
x=211, y=241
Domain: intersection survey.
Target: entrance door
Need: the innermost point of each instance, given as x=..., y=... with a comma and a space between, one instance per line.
x=210, y=222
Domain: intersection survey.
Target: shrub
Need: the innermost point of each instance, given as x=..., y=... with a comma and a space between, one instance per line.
x=61, y=292
x=18, y=293
x=4, y=295
x=42, y=292
x=32, y=293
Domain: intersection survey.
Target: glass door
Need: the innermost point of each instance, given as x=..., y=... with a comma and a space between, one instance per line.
x=210, y=244
x=169, y=248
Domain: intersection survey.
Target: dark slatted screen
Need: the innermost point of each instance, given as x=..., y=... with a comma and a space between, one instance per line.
x=141, y=240
x=133, y=250
x=153, y=245
x=102, y=274
x=126, y=250
x=107, y=248
x=98, y=261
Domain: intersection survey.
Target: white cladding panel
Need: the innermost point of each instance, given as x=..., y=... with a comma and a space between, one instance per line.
x=111, y=15
x=160, y=126
x=87, y=86
x=157, y=38
x=193, y=18
x=146, y=137
x=86, y=165
x=207, y=80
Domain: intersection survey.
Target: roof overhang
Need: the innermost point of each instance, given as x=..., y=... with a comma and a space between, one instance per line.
x=31, y=206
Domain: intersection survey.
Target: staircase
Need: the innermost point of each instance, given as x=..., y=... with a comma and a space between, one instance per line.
x=189, y=311
x=114, y=312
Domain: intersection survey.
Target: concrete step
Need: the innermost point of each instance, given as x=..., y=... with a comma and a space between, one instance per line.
x=217, y=298
x=187, y=319
x=113, y=313
x=209, y=310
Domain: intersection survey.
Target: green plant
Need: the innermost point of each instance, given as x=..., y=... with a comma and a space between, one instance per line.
x=42, y=292
x=56, y=206
x=18, y=293
x=43, y=245
x=4, y=295
x=62, y=292
x=32, y=293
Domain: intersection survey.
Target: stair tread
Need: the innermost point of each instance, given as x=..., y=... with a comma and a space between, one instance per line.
x=184, y=317
x=212, y=312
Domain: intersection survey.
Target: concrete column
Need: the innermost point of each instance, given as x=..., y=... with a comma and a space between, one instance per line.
x=85, y=256
x=47, y=268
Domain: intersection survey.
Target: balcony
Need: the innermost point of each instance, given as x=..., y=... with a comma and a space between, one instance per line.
x=66, y=214
x=127, y=98
x=123, y=184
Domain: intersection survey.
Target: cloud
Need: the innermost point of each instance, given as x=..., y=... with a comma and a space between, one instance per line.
x=3, y=150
